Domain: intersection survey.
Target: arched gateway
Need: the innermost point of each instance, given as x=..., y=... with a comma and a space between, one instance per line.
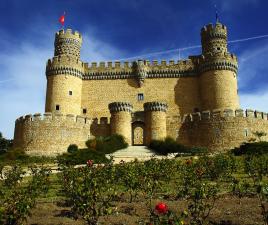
x=138, y=133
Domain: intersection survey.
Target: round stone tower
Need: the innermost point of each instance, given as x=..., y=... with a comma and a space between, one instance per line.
x=218, y=70
x=64, y=74
x=155, y=121
x=121, y=119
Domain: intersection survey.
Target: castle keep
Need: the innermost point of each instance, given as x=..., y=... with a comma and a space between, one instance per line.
x=194, y=101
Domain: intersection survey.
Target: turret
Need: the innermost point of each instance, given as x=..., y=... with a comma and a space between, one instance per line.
x=155, y=121
x=68, y=43
x=214, y=40
x=121, y=119
x=218, y=70
x=64, y=74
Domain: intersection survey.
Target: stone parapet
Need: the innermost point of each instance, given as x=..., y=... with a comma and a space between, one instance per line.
x=51, y=133
x=222, y=130
x=225, y=113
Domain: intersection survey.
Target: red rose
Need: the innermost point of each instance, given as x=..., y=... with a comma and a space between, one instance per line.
x=161, y=208
x=90, y=163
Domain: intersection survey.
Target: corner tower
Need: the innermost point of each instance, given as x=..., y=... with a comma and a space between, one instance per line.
x=218, y=70
x=64, y=74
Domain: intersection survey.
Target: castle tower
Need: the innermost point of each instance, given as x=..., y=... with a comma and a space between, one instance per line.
x=218, y=70
x=121, y=119
x=155, y=121
x=64, y=74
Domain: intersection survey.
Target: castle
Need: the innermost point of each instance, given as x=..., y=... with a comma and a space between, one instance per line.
x=194, y=101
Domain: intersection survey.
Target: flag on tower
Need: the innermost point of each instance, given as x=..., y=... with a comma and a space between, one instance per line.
x=62, y=19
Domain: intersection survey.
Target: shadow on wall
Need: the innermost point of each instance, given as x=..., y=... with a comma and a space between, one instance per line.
x=132, y=83
x=100, y=127
x=187, y=95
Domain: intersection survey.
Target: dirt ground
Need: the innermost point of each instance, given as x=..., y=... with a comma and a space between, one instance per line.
x=228, y=210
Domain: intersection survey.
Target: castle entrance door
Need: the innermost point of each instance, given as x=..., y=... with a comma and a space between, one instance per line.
x=138, y=133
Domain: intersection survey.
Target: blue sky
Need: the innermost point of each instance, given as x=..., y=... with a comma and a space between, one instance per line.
x=116, y=29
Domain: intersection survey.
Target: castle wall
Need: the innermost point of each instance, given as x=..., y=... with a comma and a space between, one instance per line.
x=181, y=94
x=50, y=134
x=100, y=127
x=174, y=124
x=218, y=90
x=222, y=130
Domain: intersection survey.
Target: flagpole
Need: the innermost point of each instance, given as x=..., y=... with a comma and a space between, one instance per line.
x=217, y=15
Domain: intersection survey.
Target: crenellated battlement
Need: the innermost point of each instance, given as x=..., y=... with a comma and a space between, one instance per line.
x=68, y=42
x=226, y=113
x=97, y=66
x=214, y=31
x=125, y=70
x=64, y=64
x=226, y=61
x=54, y=117
x=101, y=121
x=64, y=60
x=68, y=33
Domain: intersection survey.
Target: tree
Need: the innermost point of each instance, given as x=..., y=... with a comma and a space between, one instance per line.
x=4, y=143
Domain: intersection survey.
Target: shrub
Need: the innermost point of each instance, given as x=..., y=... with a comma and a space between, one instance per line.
x=72, y=148
x=81, y=156
x=91, y=143
x=18, y=156
x=15, y=154
x=5, y=144
x=169, y=145
x=17, y=198
x=107, y=145
x=256, y=148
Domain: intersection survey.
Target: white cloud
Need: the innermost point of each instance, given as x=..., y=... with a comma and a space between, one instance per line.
x=256, y=101
x=253, y=67
x=94, y=50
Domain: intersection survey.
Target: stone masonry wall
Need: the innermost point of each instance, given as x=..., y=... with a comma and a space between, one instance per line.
x=222, y=130
x=181, y=94
x=50, y=134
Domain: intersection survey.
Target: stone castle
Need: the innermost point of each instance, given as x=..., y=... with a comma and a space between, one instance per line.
x=194, y=101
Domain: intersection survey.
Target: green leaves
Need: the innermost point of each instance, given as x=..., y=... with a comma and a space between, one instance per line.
x=18, y=197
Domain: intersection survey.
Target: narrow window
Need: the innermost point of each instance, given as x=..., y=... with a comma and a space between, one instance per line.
x=84, y=111
x=246, y=132
x=140, y=97
x=57, y=107
x=70, y=93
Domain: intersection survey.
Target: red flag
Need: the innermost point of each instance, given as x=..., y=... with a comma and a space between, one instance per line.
x=62, y=19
